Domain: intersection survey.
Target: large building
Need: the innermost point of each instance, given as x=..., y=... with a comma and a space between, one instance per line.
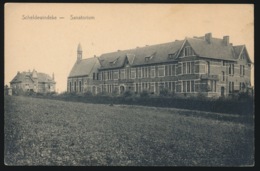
x=33, y=81
x=198, y=65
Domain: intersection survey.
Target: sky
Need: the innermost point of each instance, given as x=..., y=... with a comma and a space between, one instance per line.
x=50, y=46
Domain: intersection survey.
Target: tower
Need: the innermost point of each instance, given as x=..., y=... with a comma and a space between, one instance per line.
x=79, y=53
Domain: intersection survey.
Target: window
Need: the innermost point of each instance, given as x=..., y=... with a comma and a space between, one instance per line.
x=179, y=86
x=173, y=73
x=75, y=86
x=109, y=75
x=223, y=76
x=80, y=86
x=184, y=86
x=173, y=87
x=192, y=67
x=94, y=76
x=139, y=73
x=231, y=69
x=207, y=67
x=184, y=68
x=70, y=86
x=170, y=70
x=145, y=72
x=152, y=88
x=212, y=85
x=115, y=75
x=187, y=51
x=241, y=86
x=171, y=56
x=242, y=70
x=231, y=87
x=192, y=86
x=122, y=74
x=97, y=76
x=188, y=67
x=161, y=86
x=161, y=71
x=152, y=71
x=139, y=87
x=188, y=86
x=166, y=70
x=133, y=73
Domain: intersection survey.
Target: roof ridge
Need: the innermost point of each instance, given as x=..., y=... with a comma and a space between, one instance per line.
x=143, y=47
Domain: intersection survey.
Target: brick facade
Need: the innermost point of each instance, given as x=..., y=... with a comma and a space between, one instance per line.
x=192, y=69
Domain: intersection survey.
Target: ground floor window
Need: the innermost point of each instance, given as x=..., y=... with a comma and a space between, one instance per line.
x=212, y=85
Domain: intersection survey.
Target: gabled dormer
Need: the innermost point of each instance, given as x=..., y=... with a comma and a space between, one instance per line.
x=244, y=55
x=186, y=50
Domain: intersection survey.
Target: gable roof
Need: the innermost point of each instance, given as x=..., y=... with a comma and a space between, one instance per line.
x=41, y=77
x=84, y=67
x=156, y=54
x=216, y=49
x=239, y=50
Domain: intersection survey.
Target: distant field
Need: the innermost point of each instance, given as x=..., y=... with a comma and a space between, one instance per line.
x=51, y=132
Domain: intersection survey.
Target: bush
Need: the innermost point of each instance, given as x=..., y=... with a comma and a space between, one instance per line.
x=144, y=94
x=244, y=96
x=103, y=93
x=88, y=94
x=164, y=92
x=128, y=93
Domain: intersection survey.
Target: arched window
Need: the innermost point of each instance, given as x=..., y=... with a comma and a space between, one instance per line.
x=70, y=87
x=75, y=86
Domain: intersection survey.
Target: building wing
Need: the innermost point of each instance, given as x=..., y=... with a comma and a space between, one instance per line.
x=83, y=67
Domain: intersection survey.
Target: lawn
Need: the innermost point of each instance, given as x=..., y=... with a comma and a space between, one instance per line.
x=52, y=132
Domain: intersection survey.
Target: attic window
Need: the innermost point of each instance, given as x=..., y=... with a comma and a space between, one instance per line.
x=243, y=56
x=147, y=58
x=171, y=56
x=187, y=51
x=114, y=62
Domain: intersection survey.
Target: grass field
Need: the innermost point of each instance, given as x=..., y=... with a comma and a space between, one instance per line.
x=51, y=132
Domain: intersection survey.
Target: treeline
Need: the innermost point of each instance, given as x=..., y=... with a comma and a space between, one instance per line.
x=242, y=103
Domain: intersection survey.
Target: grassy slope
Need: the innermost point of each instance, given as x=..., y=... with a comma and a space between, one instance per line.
x=50, y=132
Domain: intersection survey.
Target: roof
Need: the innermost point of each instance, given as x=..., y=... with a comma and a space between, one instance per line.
x=84, y=67
x=161, y=53
x=140, y=55
x=238, y=50
x=41, y=77
x=216, y=49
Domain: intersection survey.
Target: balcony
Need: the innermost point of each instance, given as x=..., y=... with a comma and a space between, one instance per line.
x=209, y=77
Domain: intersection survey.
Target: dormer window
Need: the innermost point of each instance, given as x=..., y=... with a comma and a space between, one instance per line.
x=114, y=62
x=243, y=56
x=171, y=56
x=187, y=51
x=147, y=58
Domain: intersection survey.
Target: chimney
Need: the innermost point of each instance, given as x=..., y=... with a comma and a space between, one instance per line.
x=226, y=40
x=208, y=37
x=53, y=76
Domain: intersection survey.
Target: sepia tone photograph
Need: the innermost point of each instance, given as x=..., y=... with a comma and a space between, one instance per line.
x=89, y=84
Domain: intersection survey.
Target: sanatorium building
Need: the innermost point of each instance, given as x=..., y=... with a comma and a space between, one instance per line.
x=210, y=66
